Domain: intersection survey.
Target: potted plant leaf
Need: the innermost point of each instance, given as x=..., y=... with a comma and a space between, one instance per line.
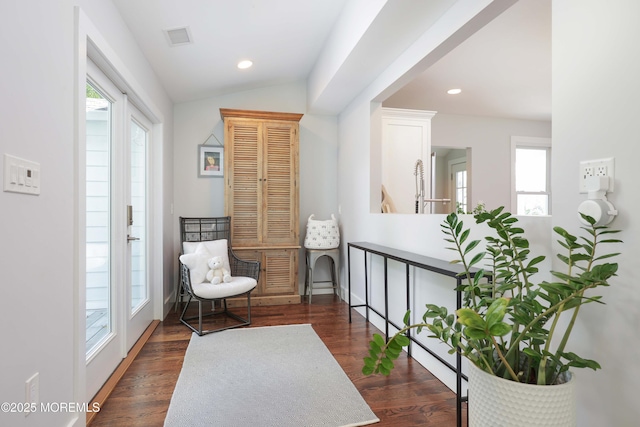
x=514, y=331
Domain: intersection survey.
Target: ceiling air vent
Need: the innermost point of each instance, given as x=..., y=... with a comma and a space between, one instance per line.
x=178, y=36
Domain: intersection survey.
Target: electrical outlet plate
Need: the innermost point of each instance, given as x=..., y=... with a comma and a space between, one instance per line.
x=600, y=167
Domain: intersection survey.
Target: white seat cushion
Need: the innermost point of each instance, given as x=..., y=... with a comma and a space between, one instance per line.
x=238, y=285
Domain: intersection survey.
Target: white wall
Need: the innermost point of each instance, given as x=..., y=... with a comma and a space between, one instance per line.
x=196, y=120
x=37, y=232
x=36, y=313
x=595, y=115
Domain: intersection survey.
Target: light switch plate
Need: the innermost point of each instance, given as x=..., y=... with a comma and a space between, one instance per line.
x=21, y=176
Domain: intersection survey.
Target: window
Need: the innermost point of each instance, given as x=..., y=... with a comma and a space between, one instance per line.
x=459, y=185
x=531, y=176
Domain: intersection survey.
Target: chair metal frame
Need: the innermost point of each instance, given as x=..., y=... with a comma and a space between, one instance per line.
x=205, y=229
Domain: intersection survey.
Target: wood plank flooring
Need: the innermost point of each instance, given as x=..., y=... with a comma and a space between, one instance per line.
x=410, y=396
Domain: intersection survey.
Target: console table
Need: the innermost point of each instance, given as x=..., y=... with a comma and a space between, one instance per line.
x=410, y=260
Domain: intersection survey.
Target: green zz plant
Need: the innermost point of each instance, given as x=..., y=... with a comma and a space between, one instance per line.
x=507, y=322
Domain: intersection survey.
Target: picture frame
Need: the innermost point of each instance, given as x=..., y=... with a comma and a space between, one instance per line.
x=210, y=161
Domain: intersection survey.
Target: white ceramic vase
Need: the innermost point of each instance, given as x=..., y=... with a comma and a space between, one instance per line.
x=496, y=402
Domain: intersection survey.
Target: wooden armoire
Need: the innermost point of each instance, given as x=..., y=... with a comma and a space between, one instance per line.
x=261, y=173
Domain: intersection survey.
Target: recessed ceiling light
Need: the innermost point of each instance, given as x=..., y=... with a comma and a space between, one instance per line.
x=454, y=91
x=244, y=64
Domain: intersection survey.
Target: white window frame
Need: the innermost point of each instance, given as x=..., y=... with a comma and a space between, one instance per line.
x=453, y=191
x=529, y=142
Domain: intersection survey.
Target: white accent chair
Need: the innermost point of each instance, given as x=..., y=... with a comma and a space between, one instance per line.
x=202, y=239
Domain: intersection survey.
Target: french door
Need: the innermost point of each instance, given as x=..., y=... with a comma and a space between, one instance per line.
x=118, y=297
x=138, y=301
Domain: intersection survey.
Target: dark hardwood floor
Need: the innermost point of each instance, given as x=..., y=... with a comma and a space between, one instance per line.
x=410, y=396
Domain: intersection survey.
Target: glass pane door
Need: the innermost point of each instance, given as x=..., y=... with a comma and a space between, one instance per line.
x=118, y=298
x=138, y=223
x=98, y=218
x=139, y=308
x=103, y=243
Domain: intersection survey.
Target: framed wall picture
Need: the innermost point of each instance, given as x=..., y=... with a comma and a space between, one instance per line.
x=210, y=161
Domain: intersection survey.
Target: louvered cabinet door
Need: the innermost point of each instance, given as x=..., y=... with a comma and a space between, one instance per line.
x=278, y=283
x=280, y=184
x=281, y=276
x=244, y=190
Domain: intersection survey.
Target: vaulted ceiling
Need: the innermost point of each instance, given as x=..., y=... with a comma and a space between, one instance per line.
x=504, y=69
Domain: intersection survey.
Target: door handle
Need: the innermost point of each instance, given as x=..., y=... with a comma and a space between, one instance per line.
x=131, y=239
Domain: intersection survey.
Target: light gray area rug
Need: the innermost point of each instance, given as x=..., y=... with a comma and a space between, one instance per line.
x=261, y=377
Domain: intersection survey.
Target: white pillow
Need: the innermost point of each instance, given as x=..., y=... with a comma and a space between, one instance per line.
x=197, y=263
x=215, y=248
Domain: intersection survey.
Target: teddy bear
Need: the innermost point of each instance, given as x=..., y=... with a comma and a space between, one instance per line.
x=217, y=273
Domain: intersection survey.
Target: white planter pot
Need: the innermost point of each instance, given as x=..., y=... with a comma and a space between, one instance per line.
x=496, y=402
